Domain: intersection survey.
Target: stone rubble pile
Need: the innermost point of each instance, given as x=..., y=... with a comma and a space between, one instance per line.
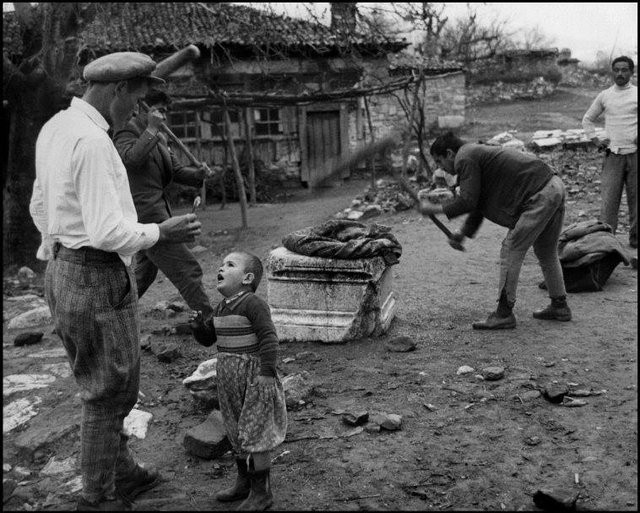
x=505, y=92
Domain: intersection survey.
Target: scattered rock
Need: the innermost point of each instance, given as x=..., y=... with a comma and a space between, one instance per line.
x=532, y=440
x=297, y=389
x=52, y=427
x=372, y=428
x=209, y=439
x=465, y=369
x=308, y=355
x=556, y=500
x=401, y=344
x=371, y=211
x=137, y=423
x=58, y=352
x=568, y=401
x=356, y=418
x=61, y=369
x=35, y=317
x=23, y=382
x=169, y=354
x=26, y=276
x=28, y=339
x=555, y=393
x=203, y=383
x=8, y=486
x=529, y=395
x=54, y=467
x=493, y=373
x=145, y=341
x=6, y=467
x=388, y=421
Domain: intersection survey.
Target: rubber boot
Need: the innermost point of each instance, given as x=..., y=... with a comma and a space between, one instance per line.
x=260, y=497
x=558, y=310
x=242, y=486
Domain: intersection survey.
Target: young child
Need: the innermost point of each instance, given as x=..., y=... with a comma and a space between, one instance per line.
x=250, y=392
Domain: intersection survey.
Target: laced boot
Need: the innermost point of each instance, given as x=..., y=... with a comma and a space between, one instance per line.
x=242, y=486
x=558, y=310
x=260, y=497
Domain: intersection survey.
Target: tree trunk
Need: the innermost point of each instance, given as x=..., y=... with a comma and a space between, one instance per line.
x=28, y=111
x=242, y=195
x=250, y=163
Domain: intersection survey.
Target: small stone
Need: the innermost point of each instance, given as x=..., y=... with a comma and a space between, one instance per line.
x=555, y=392
x=203, y=384
x=355, y=418
x=493, y=373
x=401, y=344
x=169, y=354
x=54, y=467
x=388, y=421
x=161, y=306
x=556, y=500
x=372, y=428
x=145, y=341
x=6, y=467
x=28, y=339
x=137, y=423
x=209, y=439
x=297, y=389
x=529, y=395
x=35, y=317
x=26, y=276
x=465, y=369
x=532, y=440
x=8, y=486
x=568, y=401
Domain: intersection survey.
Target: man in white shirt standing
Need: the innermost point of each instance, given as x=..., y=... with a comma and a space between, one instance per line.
x=619, y=104
x=82, y=206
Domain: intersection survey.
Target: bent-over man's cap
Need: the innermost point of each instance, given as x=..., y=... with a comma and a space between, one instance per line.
x=121, y=66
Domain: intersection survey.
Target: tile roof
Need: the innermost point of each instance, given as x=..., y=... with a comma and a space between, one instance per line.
x=168, y=26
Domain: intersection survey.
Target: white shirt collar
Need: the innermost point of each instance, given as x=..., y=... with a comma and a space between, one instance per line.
x=91, y=112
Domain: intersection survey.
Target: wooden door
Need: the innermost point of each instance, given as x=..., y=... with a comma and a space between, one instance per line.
x=323, y=144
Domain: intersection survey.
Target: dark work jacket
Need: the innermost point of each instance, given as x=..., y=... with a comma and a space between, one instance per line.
x=151, y=167
x=495, y=183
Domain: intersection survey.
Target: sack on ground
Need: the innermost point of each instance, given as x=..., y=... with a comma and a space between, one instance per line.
x=589, y=252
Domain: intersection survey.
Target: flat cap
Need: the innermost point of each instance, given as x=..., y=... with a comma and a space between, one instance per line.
x=121, y=66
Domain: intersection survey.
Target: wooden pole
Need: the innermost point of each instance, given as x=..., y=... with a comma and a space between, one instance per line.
x=372, y=162
x=252, y=170
x=236, y=169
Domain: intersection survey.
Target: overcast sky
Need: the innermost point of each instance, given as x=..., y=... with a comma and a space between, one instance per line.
x=585, y=28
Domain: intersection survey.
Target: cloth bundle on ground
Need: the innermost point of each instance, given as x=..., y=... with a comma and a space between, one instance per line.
x=341, y=238
x=589, y=252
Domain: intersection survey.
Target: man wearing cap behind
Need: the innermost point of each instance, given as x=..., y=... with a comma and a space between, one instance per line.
x=82, y=206
x=152, y=166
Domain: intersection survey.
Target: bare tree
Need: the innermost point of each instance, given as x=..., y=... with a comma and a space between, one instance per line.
x=535, y=38
x=33, y=90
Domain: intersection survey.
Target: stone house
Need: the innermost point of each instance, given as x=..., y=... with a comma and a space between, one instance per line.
x=270, y=58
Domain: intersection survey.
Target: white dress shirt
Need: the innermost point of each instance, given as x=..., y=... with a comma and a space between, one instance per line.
x=81, y=194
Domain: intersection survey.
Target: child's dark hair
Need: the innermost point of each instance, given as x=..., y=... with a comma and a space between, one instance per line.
x=252, y=264
x=156, y=96
x=448, y=141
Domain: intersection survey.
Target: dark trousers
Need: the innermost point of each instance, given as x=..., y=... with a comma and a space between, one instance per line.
x=618, y=172
x=181, y=268
x=92, y=296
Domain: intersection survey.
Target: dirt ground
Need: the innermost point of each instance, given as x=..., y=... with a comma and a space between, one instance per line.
x=477, y=446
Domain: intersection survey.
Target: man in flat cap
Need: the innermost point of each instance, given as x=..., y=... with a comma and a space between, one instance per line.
x=82, y=206
x=152, y=166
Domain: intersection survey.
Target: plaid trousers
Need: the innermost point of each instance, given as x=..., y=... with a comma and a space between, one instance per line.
x=92, y=296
